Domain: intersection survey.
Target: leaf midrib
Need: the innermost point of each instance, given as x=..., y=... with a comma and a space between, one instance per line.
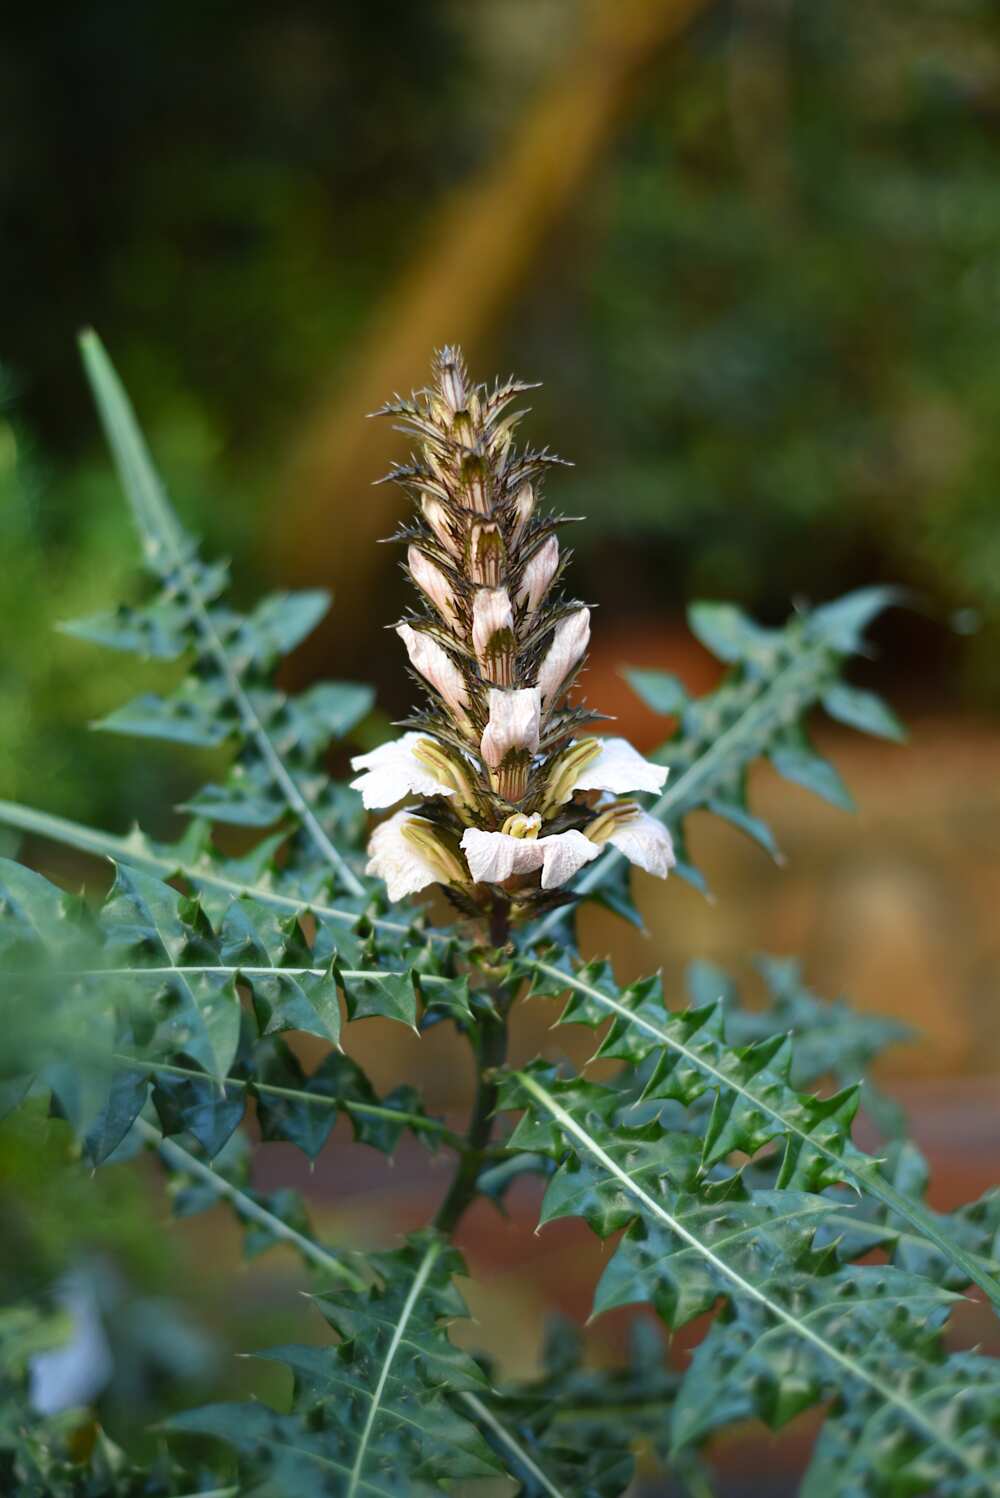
x=867, y=1176
x=743, y=1286
x=409, y=1305
x=127, y=442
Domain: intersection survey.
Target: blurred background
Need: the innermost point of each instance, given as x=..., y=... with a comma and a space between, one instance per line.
x=753, y=251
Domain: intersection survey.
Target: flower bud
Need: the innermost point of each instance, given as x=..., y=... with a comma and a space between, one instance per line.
x=511, y=739
x=486, y=553
x=568, y=647
x=432, y=581
x=538, y=573
x=515, y=723
x=453, y=379
x=493, y=635
x=437, y=517
x=524, y=508
x=436, y=666
x=476, y=478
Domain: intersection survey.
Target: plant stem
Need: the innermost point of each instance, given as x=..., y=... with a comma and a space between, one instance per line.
x=490, y=1052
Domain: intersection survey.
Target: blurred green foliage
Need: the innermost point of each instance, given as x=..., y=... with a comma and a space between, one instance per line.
x=789, y=296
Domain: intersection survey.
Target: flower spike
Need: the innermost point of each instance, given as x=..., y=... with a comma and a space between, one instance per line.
x=509, y=801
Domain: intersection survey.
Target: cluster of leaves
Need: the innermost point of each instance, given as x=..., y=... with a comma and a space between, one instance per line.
x=721, y=1152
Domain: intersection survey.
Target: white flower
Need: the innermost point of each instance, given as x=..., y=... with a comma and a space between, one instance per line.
x=405, y=852
x=495, y=856
x=436, y=666
x=432, y=581
x=619, y=768
x=515, y=723
x=538, y=574
x=393, y=771
x=569, y=642
x=643, y=840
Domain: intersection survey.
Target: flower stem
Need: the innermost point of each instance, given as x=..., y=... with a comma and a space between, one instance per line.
x=490, y=1052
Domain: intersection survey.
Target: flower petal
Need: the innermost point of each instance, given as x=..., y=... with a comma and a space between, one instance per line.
x=392, y=771
x=494, y=856
x=394, y=858
x=436, y=666
x=569, y=642
x=646, y=843
x=538, y=574
x=431, y=580
x=515, y=723
x=564, y=854
x=619, y=768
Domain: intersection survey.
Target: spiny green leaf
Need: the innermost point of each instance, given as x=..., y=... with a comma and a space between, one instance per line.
x=659, y=690
x=732, y=636
x=776, y=676
x=795, y=762
x=375, y=1414
x=281, y=738
x=804, y=1327
x=842, y=623
x=862, y=710
x=198, y=1011
x=754, y=1101
x=127, y=1095
x=390, y=995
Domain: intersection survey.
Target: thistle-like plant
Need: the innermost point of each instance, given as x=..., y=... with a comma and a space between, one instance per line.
x=717, y=1153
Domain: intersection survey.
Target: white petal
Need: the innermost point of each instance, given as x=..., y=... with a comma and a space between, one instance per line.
x=436, y=666
x=432, y=581
x=645, y=842
x=392, y=771
x=565, y=852
x=491, y=613
x=538, y=574
x=439, y=520
x=620, y=768
x=494, y=856
x=515, y=723
x=524, y=507
x=394, y=858
x=569, y=642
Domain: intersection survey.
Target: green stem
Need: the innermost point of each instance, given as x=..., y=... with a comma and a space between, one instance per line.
x=490, y=1052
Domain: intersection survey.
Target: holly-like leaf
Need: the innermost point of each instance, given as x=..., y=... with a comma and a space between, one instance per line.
x=230, y=691
x=377, y=1413
x=754, y=1103
x=797, y=1327
x=774, y=678
x=197, y=1009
